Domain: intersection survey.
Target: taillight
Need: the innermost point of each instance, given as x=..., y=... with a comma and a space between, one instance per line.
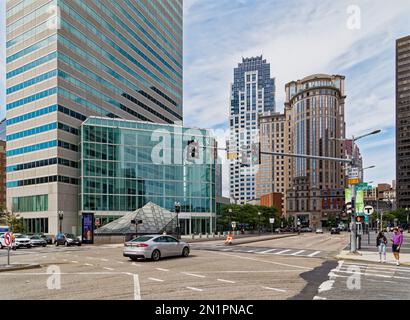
x=142, y=245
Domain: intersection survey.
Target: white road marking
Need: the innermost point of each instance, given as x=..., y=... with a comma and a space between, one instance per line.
x=160, y=269
x=314, y=254
x=319, y=298
x=227, y=281
x=105, y=260
x=44, y=257
x=194, y=289
x=265, y=261
x=109, y=269
x=226, y=249
x=136, y=265
x=137, y=289
x=283, y=251
x=193, y=275
x=274, y=289
x=267, y=251
x=120, y=262
x=89, y=264
x=298, y=252
x=250, y=251
x=74, y=261
x=155, y=279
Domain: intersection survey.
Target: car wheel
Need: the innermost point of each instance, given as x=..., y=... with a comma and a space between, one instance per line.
x=79, y=244
x=185, y=252
x=1, y=246
x=66, y=244
x=44, y=245
x=56, y=243
x=156, y=255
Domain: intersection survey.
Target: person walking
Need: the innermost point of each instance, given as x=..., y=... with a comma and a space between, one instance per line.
x=397, y=243
x=381, y=242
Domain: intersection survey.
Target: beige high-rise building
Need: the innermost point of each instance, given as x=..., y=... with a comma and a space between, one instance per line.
x=71, y=59
x=316, y=104
x=274, y=173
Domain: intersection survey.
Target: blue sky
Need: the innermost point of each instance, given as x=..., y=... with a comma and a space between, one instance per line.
x=298, y=38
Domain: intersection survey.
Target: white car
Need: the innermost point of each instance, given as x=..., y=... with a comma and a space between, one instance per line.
x=155, y=247
x=22, y=241
x=319, y=231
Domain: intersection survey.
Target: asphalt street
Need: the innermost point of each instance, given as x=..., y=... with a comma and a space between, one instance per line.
x=301, y=267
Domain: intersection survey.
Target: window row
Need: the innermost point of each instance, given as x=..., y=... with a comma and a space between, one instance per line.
x=42, y=163
x=32, y=81
x=30, y=204
x=41, y=180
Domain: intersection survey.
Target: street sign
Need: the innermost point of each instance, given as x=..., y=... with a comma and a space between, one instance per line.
x=8, y=239
x=368, y=210
x=233, y=224
x=353, y=181
x=353, y=173
x=272, y=220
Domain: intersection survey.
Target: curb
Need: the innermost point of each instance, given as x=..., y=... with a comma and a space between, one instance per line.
x=406, y=264
x=20, y=267
x=240, y=241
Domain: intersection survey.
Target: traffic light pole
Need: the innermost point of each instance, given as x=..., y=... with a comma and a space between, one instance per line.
x=353, y=231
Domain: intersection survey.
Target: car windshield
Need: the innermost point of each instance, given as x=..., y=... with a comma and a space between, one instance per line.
x=71, y=236
x=35, y=238
x=21, y=236
x=142, y=239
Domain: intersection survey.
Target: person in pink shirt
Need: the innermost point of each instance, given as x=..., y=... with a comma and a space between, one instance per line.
x=397, y=243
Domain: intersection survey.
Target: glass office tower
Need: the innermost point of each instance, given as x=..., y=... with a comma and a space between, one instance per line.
x=71, y=59
x=126, y=164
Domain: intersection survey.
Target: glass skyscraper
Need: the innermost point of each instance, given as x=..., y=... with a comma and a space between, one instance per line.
x=117, y=178
x=71, y=59
x=252, y=93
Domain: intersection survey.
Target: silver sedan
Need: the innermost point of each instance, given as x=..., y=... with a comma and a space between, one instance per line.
x=155, y=247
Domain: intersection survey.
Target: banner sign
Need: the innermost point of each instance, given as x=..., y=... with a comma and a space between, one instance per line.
x=88, y=228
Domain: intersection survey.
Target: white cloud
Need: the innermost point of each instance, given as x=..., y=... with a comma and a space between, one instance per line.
x=297, y=41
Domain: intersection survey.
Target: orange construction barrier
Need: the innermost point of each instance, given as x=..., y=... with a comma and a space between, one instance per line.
x=229, y=239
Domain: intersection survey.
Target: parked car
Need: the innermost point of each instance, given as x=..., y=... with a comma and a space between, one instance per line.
x=306, y=229
x=155, y=247
x=22, y=241
x=67, y=239
x=37, y=241
x=48, y=239
x=319, y=231
x=334, y=231
x=3, y=244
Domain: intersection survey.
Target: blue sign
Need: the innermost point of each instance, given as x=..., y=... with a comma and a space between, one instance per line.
x=4, y=229
x=88, y=228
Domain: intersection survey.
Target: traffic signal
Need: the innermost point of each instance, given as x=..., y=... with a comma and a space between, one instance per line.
x=193, y=150
x=256, y=153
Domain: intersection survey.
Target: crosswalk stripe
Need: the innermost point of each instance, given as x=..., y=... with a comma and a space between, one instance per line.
x=267, y=251
x=298, y=252
x=283, y=251
x=314, y=254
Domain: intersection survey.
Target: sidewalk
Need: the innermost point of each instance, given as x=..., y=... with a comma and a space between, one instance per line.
x=373, y=257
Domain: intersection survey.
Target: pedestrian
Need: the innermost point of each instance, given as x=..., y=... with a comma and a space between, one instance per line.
x=381, y=242
x=397, y=243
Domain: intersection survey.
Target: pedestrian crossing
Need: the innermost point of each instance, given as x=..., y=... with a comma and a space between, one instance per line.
x=365, y=281
x=262, y=250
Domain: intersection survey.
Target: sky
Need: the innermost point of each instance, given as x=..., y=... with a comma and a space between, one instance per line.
x=298, y=38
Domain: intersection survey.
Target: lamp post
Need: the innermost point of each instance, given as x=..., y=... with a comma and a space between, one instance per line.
x=177, y=211
x=230, y=218
x=259, y=223
x=407, y=212
x=60, y=219
x=353, y=235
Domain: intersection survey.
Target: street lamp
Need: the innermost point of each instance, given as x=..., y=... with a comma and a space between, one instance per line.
x=177, y=211
x=230, y=218
x=408, y=213
x=259, y=224
x=60, y=219
x=353, y=235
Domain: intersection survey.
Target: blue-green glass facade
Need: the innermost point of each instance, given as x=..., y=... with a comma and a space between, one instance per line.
x=124, y=165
